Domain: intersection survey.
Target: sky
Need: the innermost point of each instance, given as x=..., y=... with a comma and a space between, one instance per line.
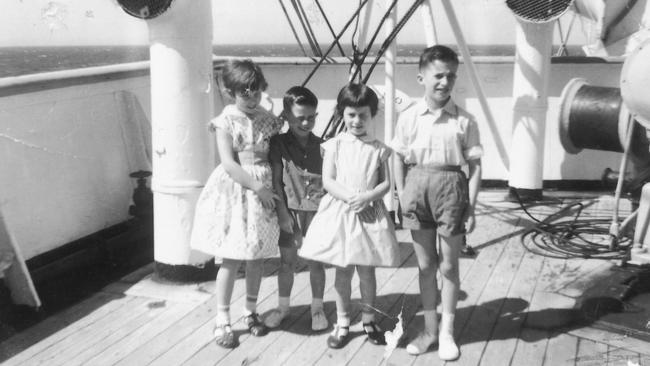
x=102, y=22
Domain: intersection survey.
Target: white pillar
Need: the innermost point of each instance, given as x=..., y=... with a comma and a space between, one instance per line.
x=530, y=92
x=389, y=85
x=182, y=105
x=430, y=35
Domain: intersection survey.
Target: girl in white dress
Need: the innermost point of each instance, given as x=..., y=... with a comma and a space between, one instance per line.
x=352, y=227
x=235, y=215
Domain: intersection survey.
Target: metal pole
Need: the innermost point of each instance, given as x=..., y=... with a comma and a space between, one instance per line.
x=182, y=105
x=530, y=94
x=473, y=75
x=389, y=98
x=363, y=34
x=429, y=26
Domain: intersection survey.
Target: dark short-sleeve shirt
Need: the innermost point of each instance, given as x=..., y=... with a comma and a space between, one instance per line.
x=302, y=168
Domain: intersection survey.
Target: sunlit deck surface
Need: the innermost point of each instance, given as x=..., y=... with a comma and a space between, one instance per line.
x=507, y=292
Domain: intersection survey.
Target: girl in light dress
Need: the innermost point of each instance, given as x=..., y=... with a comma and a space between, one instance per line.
x=352, y=227
x=235, y=216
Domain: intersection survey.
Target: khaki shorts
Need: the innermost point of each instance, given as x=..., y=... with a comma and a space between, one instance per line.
x=435, y=197
x=301, y=221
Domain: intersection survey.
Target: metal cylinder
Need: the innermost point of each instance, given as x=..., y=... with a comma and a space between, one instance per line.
x=594, y=117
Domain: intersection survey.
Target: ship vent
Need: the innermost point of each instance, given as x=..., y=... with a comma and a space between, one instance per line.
x=538, y=11
x=145, y=9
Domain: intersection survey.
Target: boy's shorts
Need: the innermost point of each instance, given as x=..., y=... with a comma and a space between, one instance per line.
x=301, y=221
x=435, y=197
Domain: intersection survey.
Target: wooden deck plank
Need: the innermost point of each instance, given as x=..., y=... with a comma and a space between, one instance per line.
x=35, y=339
x=71, y=335
x=474, y=337
x=389, y=281
x=80, y=341
x=151, y=314
x=199, y=342
x=118, y=350
x=591, y=353
x=613, y=339
x=621, y=357
x=561, y=350
x=389, y=300
x=252, y=349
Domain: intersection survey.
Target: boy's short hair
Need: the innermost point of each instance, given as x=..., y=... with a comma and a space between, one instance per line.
x=357, y=95
x=240, y=75
x=299, y=95
x=437, y=52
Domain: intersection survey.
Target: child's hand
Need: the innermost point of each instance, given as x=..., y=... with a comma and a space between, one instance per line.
x=286, y=222
x=359, y=202
x=470, y=222
x=267, y=196
x=368, y=214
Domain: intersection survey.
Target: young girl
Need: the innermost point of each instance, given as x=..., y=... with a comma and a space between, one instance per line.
x=352, y=226
x=235, y=215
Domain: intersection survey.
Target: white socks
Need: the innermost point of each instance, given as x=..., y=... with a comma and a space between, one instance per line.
x=447, y=348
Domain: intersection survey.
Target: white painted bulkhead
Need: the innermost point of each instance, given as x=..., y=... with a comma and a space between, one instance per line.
x=68, y=150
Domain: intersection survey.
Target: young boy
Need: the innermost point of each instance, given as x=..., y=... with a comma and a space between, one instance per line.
x=297, y=164
x=433, y=139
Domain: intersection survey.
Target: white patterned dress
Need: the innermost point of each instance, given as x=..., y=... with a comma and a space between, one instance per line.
x=337, y=235
x=230, y=221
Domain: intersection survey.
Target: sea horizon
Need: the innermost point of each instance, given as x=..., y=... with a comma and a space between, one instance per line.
x=16, y=61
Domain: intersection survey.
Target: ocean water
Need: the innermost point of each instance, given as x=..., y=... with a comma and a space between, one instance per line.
x=15, y=61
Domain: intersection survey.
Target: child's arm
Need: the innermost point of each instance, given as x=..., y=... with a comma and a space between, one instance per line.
x=334, y=188
x=361, y=201
x=399, y=172
x=239, y=175
x=284, y=218
x=474, y=185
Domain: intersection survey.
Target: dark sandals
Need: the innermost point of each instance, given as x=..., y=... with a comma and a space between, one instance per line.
x=255, y=326
x=375, y=334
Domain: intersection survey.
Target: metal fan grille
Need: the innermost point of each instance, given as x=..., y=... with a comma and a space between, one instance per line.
x=145, y=9
x=538, y=11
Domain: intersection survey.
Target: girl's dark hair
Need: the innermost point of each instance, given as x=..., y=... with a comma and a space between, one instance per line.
x=299, y=95
x=240, y=75
x=356, y=95
x=437, y=52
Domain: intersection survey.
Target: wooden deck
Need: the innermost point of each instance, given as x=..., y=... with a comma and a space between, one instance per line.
x=505, y=290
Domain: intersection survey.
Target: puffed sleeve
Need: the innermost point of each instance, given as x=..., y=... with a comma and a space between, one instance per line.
x=384, y=152
x=472, y=148
x=223, y=123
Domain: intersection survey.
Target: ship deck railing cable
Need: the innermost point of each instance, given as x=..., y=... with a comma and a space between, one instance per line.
x=333, y=44
x=314, y=49
x=334, y=126
x=293, y=30
x=574, y=237
x=329, y=26
x=312, y=34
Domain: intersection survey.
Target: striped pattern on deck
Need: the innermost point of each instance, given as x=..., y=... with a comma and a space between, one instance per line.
x=132, y=322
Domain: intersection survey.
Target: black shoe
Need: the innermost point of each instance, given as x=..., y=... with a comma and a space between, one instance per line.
x=255, y=326
x=375, y=334
x=467, y=251
x=336, y=339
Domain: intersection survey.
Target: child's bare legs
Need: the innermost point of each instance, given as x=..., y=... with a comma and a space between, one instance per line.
x=317, y=281
x=254, y=269
x=424, y=245
x=224, y=284
x=342, y=284
x=288, y=258
x=368, y=288
x=449, y=252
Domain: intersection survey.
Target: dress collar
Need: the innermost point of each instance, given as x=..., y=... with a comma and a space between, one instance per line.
x=449, y=107
x=345, y=136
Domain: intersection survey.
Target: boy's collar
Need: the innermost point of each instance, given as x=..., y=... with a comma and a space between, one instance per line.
x=449, y=107
x=345, y=136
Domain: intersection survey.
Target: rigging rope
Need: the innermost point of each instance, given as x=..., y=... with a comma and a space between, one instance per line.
x=336, y=39
x=320, y=8
x=311, y=31
x=293, y=29
x=314, y=49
